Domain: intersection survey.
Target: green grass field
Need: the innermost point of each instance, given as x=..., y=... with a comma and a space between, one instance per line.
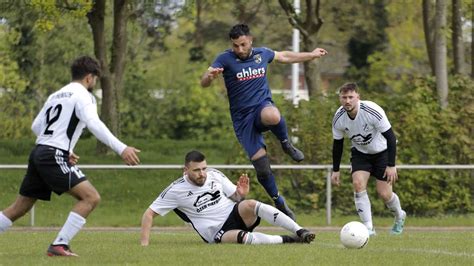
x=169, y=247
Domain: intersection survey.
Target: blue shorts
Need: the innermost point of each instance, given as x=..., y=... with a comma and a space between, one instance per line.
x=248, y=129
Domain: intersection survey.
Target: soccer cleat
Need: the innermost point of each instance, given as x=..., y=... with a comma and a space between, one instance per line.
x=290, y=239
x=60, y=250
x=398, y=225
x=285, y=209
x=294, y=153
x=305, y=235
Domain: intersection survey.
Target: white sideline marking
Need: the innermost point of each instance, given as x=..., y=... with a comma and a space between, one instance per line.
x=414, y=250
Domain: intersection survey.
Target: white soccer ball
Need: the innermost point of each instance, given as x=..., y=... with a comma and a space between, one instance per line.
x=354, y=235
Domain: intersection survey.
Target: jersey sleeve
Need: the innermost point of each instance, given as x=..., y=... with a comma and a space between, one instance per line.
x=37, y=125
x=166, y=202
x=227, y=186
x=337, y=131
x=86, y=111
x=218, y=62
x=269, y=54
x=383, y=124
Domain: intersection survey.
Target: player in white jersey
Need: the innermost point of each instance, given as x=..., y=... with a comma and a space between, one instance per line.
x=373, y=153
x=216, y=208
x=52, y=162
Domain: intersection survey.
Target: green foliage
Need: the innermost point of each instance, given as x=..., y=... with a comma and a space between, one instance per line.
x=14, y=108
x=163, y=98
x=52, y=13
x=405, y=52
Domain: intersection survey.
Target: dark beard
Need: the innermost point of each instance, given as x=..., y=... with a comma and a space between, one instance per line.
x=89, y=89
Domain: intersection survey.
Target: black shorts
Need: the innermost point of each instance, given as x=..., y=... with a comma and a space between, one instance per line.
x=49, y=170
x=375, y=164
x=234, y=221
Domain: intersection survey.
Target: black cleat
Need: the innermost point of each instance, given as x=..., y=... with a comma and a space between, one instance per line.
x=290, y=239
x=294, y=153
x=305, y=235
x=285, y=209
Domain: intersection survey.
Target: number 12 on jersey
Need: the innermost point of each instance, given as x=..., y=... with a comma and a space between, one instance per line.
x=52, y=115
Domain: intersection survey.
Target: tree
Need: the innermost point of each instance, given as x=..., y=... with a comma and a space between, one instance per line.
x=112, y=72
x=365, y=25
x=435, y=38
x=429, y=33
x=458, y=44
x=309, y=26
x=441, y=68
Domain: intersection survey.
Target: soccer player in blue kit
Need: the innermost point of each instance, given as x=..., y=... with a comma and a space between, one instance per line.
x=253, y=112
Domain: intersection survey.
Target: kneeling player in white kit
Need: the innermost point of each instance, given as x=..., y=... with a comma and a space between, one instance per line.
x=52, y=162
x=216, y=208
x=373, y=153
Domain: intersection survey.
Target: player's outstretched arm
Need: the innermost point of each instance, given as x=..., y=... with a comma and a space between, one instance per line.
x=298, y=57
x=210, y=75
x=147, y=222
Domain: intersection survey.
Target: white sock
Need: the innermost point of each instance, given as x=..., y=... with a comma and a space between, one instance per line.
x=394, y=205
x=255, y=238
x=72, y=226
x=275, y=217
x=5, y=223
x=362, y=203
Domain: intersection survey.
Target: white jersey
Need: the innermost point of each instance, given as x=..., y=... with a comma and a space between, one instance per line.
x=65, y=114
x=206, y=207
x=365, y=130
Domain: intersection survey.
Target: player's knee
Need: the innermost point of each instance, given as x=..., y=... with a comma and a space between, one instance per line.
x=93, y=199
x=248, y=205
x=273, y=120
x=358, y=185
x=262, y=167
x=385, y=195
x=270, y=116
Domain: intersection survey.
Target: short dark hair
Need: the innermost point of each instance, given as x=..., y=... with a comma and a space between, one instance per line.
x=349, y=86
x=194, y=156
x=84, y=65
x=239, y=30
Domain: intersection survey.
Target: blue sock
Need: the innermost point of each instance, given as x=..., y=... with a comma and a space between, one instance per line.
x=280, y=130
x=279, y=201
x=268, y=183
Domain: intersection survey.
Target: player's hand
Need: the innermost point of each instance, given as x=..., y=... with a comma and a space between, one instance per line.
x=335, y=178
x=130, y=156
x=73, y=158
x=243, y=185
x=212, y=73
x=391, y=174
x=319, y=52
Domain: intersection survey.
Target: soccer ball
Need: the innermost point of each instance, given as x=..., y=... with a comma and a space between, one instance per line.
x=354, y=235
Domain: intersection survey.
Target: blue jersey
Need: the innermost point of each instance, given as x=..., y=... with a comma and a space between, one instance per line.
x=246, y=81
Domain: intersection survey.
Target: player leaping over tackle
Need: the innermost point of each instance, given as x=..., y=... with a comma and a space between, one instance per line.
x=215, y=207
x=253, y=112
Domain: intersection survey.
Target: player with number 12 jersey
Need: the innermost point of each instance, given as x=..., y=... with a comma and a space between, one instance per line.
x=64, y=116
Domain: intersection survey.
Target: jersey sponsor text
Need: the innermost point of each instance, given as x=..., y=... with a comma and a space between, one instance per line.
x=250, y=73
